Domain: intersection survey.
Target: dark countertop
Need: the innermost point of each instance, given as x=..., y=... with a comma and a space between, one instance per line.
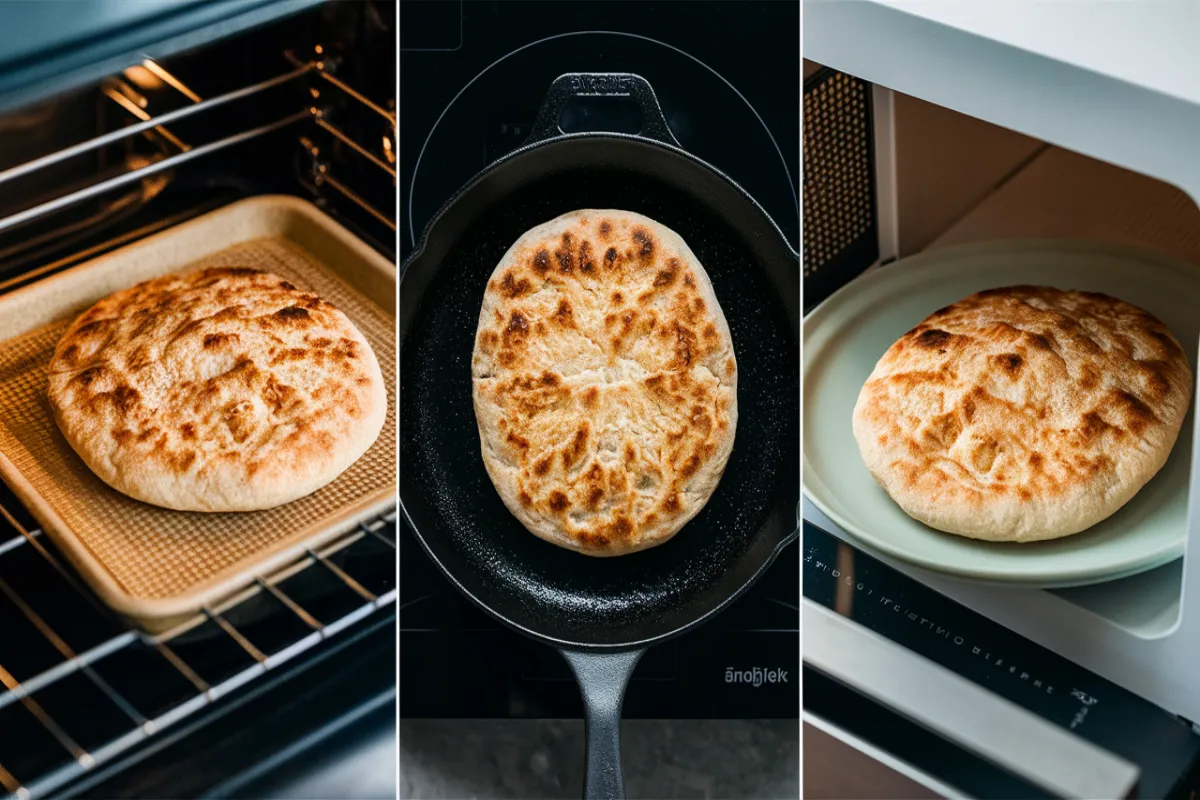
x=664, y=759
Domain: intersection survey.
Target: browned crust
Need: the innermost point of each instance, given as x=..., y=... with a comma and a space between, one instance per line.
x=1025, y=412
x=605, y=382
x=220, y=389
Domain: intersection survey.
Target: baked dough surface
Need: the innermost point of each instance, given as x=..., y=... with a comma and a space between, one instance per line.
x=605, y=383
x=223, y=389
x=1023, y=413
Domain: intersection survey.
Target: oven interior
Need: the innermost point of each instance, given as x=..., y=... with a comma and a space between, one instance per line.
x=239, y=698
x=888, y=175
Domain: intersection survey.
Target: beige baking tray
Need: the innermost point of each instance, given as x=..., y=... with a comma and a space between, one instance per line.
x=152, y=564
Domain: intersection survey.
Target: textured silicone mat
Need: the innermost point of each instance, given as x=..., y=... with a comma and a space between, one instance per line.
x=151, y=563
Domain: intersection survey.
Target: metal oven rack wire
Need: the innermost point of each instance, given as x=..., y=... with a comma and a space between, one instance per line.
x=321, y=172
x=80, y=687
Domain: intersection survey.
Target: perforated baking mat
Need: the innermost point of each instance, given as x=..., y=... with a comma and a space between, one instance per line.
x=153, y=564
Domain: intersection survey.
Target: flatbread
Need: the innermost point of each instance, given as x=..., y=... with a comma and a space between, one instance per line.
x=605, y=383
x=1023, y=413
x=224, y=389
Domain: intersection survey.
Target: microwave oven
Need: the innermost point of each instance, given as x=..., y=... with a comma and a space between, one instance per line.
x=936, y=124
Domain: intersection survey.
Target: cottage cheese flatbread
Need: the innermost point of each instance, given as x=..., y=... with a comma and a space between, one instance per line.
x=1023, y=413
x=605, y=383
x=224, y=389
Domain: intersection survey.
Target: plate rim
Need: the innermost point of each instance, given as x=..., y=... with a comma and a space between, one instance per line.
x=1058, y=578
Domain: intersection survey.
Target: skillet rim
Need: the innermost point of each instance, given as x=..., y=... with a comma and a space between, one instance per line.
x=418, y=252
x=422, y=243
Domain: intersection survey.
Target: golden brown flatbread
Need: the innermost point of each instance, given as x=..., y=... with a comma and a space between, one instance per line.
x=224, y=389
x=605, y=383
x=1023, y=413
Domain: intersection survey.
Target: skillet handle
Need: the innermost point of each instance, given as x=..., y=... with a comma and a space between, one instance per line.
x=601, y=84
x=602, y=680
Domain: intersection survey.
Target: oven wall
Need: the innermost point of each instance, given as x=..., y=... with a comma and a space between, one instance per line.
x=961, y=180
x=1064, y=194
x=946, y=164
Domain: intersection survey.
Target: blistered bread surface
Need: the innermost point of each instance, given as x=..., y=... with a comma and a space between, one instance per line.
x=1023, y=413
x=605, y=382
x=223, y=389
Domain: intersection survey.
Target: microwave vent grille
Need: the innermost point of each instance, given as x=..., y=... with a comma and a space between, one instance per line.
x=840, y=215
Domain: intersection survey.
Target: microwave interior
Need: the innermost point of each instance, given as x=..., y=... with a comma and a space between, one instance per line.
x=287, y=686
x=901, y=176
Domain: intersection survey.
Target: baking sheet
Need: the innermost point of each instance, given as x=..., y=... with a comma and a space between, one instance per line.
x=847, y=334
x=153, y=564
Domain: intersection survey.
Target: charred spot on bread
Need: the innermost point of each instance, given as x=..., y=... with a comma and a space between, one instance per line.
x=558, y=502
x=517, y=324
x=565, y=254
x=213, y=340
x=587, y=262
x=1010, y=363
x=512, y=286
x=563, y=314
x=644, y=241
x=933, y=339
x=125, y=397
x=611, y=257
x=292, y=314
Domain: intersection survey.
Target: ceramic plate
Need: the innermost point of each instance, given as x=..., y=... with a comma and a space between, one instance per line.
x=848, y=333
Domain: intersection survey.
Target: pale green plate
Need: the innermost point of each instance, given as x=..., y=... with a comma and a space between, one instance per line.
x=846, y=335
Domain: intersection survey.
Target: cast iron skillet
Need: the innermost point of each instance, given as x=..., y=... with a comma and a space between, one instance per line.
x=601, y=613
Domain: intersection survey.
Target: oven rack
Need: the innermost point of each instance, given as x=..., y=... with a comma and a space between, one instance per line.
x=321, y=172
x=320, y=168
x=80, y=687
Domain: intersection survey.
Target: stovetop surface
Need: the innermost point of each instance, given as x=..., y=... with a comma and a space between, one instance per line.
x=473, y=75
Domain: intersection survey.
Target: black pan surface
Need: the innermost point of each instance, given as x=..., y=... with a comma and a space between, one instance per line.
x=559, y=596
